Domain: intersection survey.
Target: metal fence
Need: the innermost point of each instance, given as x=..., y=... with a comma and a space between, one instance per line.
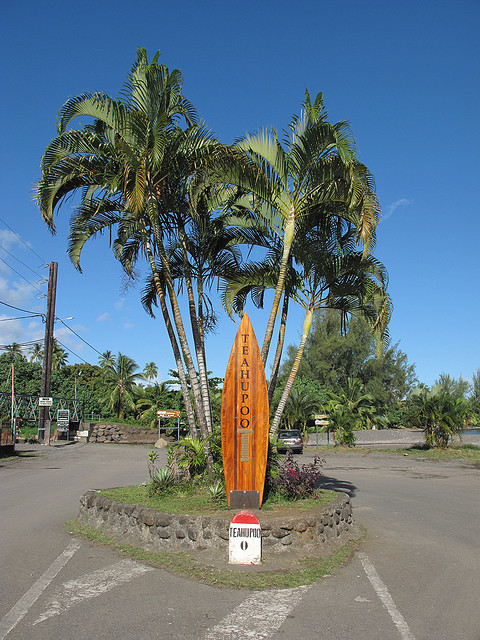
x=26, y=407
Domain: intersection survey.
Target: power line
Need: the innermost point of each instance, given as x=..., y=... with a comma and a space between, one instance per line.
x=20, y=317
x=19, y=274
x=11, y=306
x=44, y=262
x=78, y=336
x=22, y=344
x=18, y=260
x=72, y=352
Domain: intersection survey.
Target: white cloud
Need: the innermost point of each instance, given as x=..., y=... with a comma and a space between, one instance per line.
x=18, y=331
x=394, y=206
x=128, y=325
x=120, y=304
x=19, y=294
x=8, y=238
x=103, y=317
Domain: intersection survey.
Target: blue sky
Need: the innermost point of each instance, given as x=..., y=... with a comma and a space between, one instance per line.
x=405, y=75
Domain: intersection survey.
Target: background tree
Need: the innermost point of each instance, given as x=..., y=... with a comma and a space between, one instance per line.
x=475, y=397
x=27, y=374
x=348, y=410
x=36, y=353
x=120, y=383
x=440, y=413
x=155, y=398
x=333, y=355
x=90, y=390
x=452, y=387
x=107, y=358
x=300, y=407
x=59, y=356
x=15, y=350
x=150, y=371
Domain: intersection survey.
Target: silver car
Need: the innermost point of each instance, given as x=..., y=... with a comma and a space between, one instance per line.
x=289, y=440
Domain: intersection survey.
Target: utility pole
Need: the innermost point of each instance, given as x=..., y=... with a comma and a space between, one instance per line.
x=44, y=424
x=12, y=407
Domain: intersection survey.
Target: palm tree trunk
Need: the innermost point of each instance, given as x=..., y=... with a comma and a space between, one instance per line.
x=287, y=245
x=197, y=335
x=307, y=324
x=203, y=369
x=173, y=339
x=177, y=316
x=279, y=350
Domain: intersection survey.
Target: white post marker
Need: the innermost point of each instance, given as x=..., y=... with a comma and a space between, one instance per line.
x=245, y=539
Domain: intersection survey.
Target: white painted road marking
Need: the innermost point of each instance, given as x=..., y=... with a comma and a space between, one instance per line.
x=259, y=617
x=384, y=595
x=13, y=617
x=91, y=586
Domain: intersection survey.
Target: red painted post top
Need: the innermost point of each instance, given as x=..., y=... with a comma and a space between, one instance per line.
x=245, y=517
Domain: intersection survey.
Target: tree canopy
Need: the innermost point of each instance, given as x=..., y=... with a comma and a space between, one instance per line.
x=333, y=357
x=188, y=210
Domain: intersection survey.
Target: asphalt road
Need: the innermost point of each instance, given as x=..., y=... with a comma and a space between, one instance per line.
x=416, y=576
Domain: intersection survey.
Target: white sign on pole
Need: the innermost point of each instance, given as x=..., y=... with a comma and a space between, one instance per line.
x=63, y=418
x=245, y=539
x=45, y=402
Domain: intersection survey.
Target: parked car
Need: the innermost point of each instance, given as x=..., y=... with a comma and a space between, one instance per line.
x=289, y=440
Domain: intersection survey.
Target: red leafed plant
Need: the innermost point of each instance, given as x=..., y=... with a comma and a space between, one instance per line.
x=297, y=482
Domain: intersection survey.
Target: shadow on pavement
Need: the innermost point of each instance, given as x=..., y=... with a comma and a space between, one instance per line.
x=333, y=484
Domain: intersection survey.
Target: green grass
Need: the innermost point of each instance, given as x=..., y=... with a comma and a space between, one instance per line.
x=27, y=431
x=305, y=570
x=194, y=499
x=20, y=454
x=468, y=453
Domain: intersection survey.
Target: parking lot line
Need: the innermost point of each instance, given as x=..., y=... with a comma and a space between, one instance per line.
x=18, y=611
x=258, y=617
x=92, y=585
x=384, y=595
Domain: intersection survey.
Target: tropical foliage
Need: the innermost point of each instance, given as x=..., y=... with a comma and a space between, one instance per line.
x=131, y=166
x=283, y=220
x=439, y=413
x=348, y=410
x=119, y=379
x=335, y=354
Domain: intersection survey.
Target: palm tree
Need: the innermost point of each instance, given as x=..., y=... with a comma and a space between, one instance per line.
x=336, y=276
x=156, y=398
x=150, y=371
x=59, y=356
x=15, y=350
x=107, y=358
x=355, y=401
x=440, y=413
x=120, y=381
x=313, y=174
x=132, y=166
x=205, y=251
x=36, y=353
x=300, y=406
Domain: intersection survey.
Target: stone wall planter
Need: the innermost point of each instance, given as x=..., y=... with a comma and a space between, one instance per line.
x=121, y=433
x=305, y=531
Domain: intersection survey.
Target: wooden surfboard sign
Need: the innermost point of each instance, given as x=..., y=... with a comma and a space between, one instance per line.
x=244, y=421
